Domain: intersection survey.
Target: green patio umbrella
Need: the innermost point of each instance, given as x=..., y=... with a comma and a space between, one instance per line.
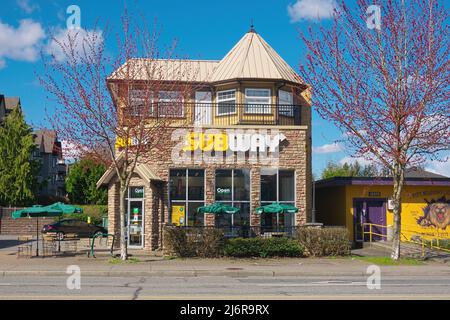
x=36, y=211
x=277, y=207
x=65, y=208
x=218, y=207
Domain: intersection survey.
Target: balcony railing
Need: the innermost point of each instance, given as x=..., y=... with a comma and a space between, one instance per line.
x=222, y=113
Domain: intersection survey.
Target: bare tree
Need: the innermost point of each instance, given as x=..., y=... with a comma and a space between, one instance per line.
x=386, y=88
x=109, y=106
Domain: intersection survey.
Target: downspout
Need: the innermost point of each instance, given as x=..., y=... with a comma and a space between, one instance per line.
x=313, y=215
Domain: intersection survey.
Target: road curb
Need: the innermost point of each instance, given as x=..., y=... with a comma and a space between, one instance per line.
x=211, y=273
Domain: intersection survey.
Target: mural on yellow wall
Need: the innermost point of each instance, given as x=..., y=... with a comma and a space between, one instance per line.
x=436, y=213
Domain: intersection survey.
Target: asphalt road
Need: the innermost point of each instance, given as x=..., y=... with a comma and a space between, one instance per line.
x=423, y=287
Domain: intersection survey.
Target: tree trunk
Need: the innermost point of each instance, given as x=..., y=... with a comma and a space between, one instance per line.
x=123, y=227
x=397, y=199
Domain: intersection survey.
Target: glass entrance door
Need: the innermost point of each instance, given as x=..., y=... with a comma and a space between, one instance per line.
x=135, y=223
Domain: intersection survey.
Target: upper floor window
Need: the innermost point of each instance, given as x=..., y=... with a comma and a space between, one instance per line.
x=285, y=103
x=138, y=99
x=257, y=101
x=170, y=104
x=226, y=102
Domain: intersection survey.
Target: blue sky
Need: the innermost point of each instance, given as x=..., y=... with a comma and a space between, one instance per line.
x=204, y=29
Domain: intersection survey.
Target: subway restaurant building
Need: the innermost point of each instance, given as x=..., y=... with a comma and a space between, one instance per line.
x=243, y=138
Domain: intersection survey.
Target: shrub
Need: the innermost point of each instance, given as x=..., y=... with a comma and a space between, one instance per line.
x=324, y=241
x=193, y=242
x=263, y=247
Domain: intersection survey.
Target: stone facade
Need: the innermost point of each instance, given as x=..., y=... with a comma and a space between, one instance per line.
x=294, y=153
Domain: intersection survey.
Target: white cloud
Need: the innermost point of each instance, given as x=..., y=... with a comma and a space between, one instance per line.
x=328, y=148
x=26, y=6
x=311, y=9
x=62, y=38
x=439, y=167
x=21, y=43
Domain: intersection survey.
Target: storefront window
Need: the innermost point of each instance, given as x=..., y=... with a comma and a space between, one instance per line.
x=186, y=195
x=178, y=184
x=241, y=185
x=277, y=185
x=269, y=184
x=233, y=188
x=196, y=185
x=223, y=185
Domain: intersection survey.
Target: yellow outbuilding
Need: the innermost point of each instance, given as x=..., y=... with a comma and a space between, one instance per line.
x=363, y=206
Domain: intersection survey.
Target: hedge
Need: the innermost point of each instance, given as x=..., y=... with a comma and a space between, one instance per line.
x=324, y=241
x=209, y=242
x=263, y=247
x=193, y=242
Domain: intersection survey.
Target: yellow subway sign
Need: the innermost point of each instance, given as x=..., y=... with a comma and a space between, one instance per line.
x=206, y=141
x=232, y=141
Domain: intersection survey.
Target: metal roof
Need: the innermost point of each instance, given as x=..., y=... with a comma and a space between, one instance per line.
x=142, y=169
x=380, y=181
x=165, y=70
x=253, y=58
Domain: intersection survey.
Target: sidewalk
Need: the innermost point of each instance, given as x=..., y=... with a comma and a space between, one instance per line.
x=160, y=267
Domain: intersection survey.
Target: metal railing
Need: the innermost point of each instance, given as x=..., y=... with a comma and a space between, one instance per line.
x=431, y=239
x=220, y=114
x=372, y=231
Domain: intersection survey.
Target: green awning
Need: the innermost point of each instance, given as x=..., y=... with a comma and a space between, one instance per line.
x=277, y=207
x=218, y=207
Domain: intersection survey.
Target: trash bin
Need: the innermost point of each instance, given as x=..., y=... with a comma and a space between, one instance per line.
x=105, y=222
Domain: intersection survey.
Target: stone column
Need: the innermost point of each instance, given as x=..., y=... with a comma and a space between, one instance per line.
x=255, y=197
x=210, y=220
x=114, y=212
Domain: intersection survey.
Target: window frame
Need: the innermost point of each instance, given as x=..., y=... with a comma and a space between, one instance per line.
x=226, y=100
x=181, y=102
x=133, y=108
x=294, y=202
x=186, y=201
x=286, y=110
x=257, y=106
x=233, y=200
